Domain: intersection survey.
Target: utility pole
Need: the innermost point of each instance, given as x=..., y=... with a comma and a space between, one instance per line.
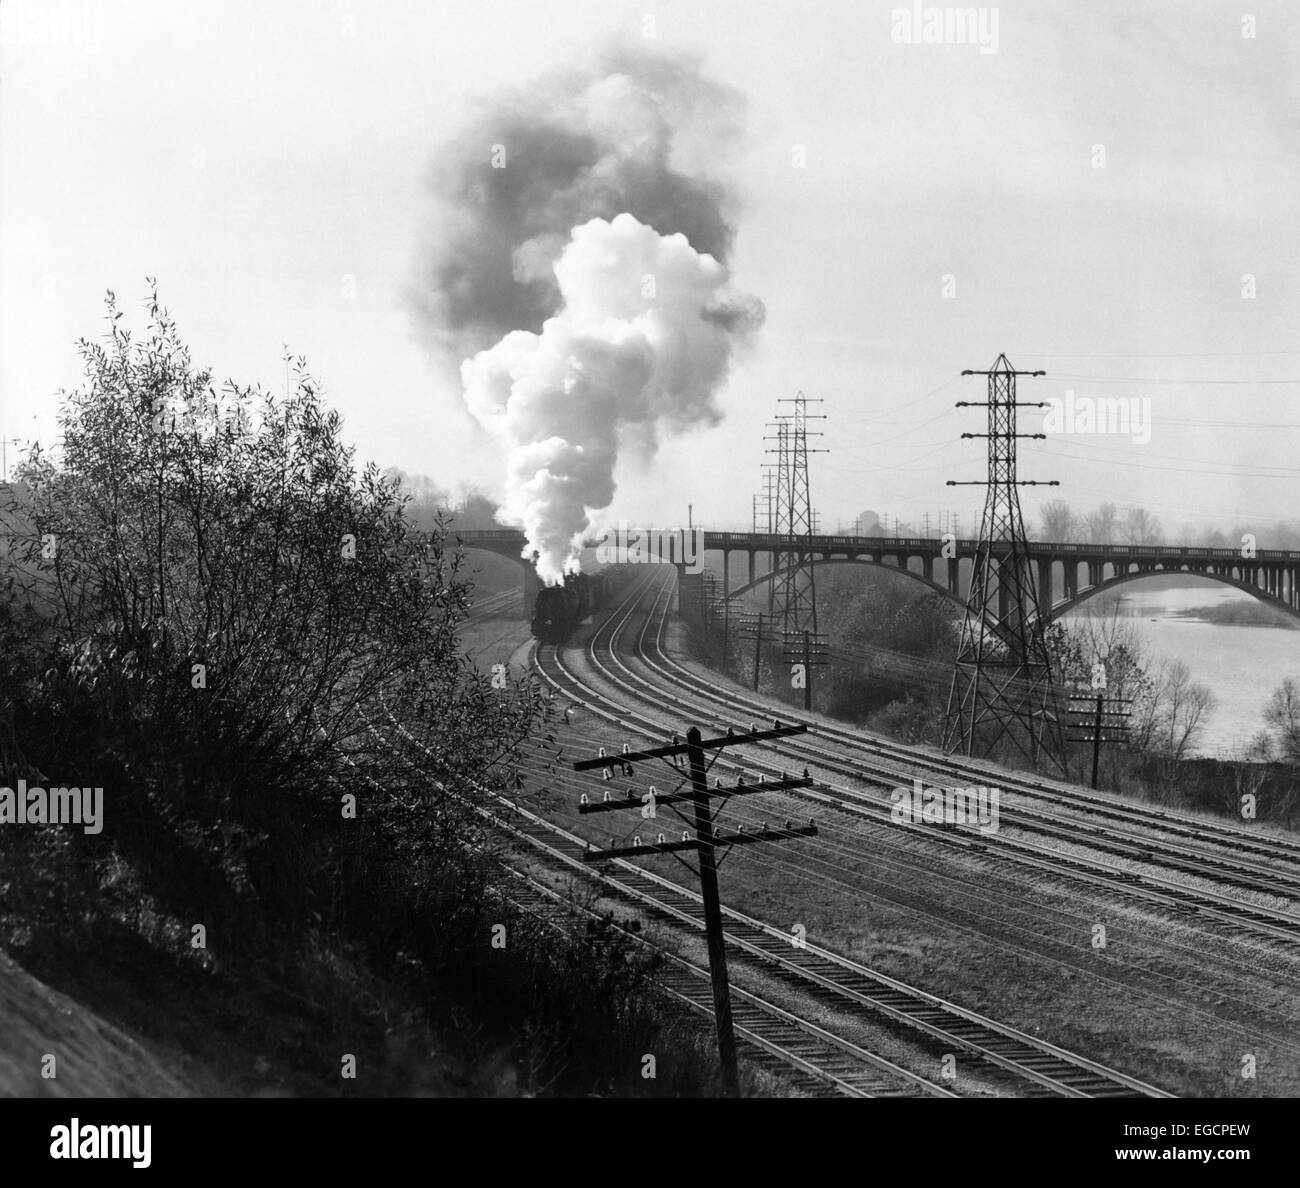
x=725, y=604
x=705, y=843
x=808, y=648
x=4, y=456
x=1093, y=721
x=751, y=626
x=1001, y=683
x=712, y=913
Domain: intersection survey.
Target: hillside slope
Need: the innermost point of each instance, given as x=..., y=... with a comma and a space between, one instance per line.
x=94, y=1058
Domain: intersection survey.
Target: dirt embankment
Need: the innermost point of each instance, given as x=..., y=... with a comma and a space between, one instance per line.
x=92, y=1058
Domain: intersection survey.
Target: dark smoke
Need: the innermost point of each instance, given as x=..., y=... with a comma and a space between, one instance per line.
x=635, y=133
x=579, y=273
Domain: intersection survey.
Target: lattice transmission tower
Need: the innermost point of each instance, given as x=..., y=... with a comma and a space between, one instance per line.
x=1001, y=684
x=795, y=586
x=765, y=502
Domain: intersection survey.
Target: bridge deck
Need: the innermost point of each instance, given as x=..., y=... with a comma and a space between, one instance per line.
x=715, y=541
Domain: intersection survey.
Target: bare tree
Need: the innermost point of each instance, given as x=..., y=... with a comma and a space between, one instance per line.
x=1140, y=527
x=1102, y=524
x=1059, y=522
x=1248, y=762
x=1114, y=642
x=1178, y=712
x=1283, y=715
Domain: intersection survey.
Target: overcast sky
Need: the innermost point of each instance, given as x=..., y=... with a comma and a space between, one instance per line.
x=253, y=156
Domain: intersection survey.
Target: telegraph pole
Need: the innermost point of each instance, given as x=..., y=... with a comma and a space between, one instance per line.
x=709, y=596
x=4, y=456
x=751, y=626
x=808, y=648
x=705, y=843
x=713, y=914
x=725, y=603
x=1093, y=721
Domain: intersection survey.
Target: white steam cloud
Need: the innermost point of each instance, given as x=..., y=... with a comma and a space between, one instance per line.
x=578, y=269
x=642, y=341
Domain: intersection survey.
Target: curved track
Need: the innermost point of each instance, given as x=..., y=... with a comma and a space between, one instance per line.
x=694, y=698
x=814, y=1058
x=1045, y=1068
x=1242, y=839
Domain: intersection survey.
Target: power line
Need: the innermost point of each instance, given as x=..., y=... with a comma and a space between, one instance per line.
x=1126, y=379
x=1170, y=355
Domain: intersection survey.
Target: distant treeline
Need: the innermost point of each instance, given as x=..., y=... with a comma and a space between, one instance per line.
x=1109, y=524
x=467, y=511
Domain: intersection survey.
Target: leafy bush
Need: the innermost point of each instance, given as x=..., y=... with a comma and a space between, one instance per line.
x=212, y=614
x=214, y=607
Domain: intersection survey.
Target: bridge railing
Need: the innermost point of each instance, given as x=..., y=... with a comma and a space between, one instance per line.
x=716, y=541
x=894, y=544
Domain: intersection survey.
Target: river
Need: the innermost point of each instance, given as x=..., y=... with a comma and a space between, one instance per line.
x=1242, y=665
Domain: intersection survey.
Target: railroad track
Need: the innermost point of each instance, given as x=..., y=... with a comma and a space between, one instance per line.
x=495, y=604
x=1146, y=888
x=811, y=1057
x=1242, y=840
x=815, y=1060
x=1236, y=871
x=1050, y=1070
x=1037, y=1067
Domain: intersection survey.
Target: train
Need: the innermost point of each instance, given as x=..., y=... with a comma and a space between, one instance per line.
x=559, y=609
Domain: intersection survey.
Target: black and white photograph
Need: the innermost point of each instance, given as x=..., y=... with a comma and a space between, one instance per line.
x=635, y=550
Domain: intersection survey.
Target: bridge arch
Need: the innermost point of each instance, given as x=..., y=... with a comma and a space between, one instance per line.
x=773, y=574
x=1257, y=592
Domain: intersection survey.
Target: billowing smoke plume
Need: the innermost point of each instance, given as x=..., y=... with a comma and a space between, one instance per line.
x=612, y=360
x=580, y=272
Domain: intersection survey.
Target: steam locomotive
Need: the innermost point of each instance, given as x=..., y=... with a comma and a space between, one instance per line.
x=559, y=609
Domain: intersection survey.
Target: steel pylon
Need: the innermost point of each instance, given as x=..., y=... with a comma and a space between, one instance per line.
x=794, y=597
x=1001, y=685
